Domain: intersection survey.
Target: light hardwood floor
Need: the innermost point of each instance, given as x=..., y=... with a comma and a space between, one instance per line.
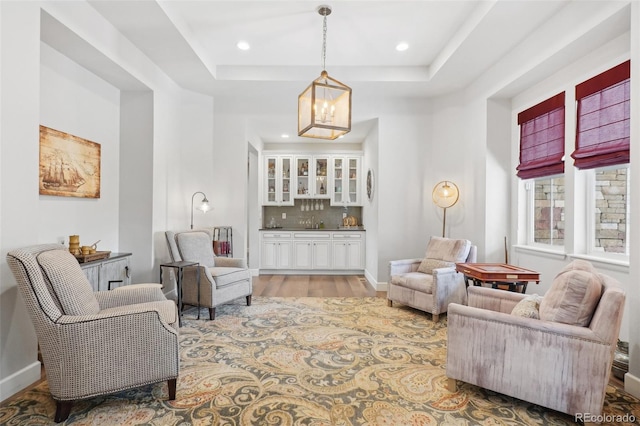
x=314, y=286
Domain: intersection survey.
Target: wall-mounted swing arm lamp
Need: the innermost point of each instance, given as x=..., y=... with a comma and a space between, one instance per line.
x=204, y=205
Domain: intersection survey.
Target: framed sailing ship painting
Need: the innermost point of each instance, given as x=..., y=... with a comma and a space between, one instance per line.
x=69, y=165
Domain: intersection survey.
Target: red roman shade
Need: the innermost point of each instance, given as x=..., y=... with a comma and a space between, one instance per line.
x=602, y=136
x=542, y=139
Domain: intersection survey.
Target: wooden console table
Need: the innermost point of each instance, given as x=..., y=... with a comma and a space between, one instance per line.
x=498, y=274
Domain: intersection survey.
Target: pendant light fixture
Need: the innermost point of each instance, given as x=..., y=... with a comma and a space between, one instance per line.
x=324, y=108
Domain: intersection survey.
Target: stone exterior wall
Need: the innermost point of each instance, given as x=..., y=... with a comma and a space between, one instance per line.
x=610, y=214
x=611, y=211
x=549, y=211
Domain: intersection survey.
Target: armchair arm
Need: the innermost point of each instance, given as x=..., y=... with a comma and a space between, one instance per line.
x=129, y=295
x=447, y=286
x=493, y=299
x=402, y=266
x=230, y=262
x=101, y=353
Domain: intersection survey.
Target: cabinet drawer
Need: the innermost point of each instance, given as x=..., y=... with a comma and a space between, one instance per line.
x=276, y=235
x=345, y=236
x=312, y=235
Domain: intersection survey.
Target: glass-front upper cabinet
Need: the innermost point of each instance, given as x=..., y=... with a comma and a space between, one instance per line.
x=346, y=181
x=312, y=176
x=277, y=182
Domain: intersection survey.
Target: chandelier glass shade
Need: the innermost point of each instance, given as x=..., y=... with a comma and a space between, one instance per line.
x=324, y=108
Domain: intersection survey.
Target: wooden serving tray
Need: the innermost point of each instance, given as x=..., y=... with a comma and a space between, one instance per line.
x=82, y=258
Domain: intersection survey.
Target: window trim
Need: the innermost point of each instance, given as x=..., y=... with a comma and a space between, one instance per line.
x=530, y=191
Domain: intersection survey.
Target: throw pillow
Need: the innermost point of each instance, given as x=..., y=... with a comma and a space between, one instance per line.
x=528, y=307
x=573, y=296
x=428, y=265
x=448, y=249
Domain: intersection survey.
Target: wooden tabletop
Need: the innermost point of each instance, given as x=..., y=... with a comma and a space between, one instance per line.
x=497, y=272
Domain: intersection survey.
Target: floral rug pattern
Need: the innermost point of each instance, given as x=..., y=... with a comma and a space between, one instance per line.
x=307, y=361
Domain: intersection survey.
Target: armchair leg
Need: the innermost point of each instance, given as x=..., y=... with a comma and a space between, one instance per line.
x=212, y=313
x=63, y=409
x=172, y=388
x=389, y=303
x=435, y=317
x=249, y=300
x=452, y=385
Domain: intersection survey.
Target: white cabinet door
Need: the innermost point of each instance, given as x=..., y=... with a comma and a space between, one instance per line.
x=276, y=251
x=92, y=273
x=321, y=255
x=284, y=254
x=339, y=251
x=348, y=250
x=278, y=185
x=354, y=255
x=302, y=254
x=269, y=258
x=345, y=183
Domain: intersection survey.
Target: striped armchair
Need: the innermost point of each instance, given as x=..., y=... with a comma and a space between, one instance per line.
x=94, y=343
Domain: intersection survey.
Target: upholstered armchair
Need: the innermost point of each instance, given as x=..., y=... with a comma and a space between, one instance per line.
x=94, y=343
x=554, y=351
x=431, y=283
x=222, y=279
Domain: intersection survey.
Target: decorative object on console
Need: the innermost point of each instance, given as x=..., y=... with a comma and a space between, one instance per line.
x=69, y=165
x=204, y=206
x=324, y=108
x=445, y=194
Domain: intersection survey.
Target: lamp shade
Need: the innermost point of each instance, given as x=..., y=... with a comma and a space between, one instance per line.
x=445, y=194
x=324, y=109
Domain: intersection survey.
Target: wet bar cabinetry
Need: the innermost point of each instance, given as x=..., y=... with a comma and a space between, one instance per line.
x=312, y=251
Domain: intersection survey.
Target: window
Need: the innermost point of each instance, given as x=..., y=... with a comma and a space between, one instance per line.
x=546, y=215
x=542, y=163
x=602, y=144
x=610, y=211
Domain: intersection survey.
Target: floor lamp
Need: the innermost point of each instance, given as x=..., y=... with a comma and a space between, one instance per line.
x=204, y=206
x=445, y=194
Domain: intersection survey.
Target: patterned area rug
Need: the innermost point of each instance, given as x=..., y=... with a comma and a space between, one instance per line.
x=307, y=361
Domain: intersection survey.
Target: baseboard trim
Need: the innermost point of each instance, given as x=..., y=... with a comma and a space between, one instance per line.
x=378, y=286
x=632, y=384
x=19, y=380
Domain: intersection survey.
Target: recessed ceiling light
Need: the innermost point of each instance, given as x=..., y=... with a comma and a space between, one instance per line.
x=243, y=45
x=402, y=46
x=284, y=136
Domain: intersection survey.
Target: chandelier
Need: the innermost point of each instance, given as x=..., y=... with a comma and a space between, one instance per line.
x=324, y=108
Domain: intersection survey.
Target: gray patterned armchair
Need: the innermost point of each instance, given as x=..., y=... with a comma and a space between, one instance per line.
x=94, y=343
x=222, y=279
x=555, y=351
x=431, y=283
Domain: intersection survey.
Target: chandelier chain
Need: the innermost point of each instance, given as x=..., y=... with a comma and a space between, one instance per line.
x=324, y=42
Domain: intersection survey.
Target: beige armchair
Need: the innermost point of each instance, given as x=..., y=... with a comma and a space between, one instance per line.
x=561, y=362
x=94, y=343
x=432, y=283
x=222, y=279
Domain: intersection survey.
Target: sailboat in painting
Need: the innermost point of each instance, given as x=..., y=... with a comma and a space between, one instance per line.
x=62, y=175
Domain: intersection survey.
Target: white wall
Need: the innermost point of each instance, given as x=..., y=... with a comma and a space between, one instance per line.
x=165, y=133
x=20, y=87
x=371, y=207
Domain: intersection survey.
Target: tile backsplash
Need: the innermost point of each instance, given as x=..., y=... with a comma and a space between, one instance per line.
x=319, y=211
